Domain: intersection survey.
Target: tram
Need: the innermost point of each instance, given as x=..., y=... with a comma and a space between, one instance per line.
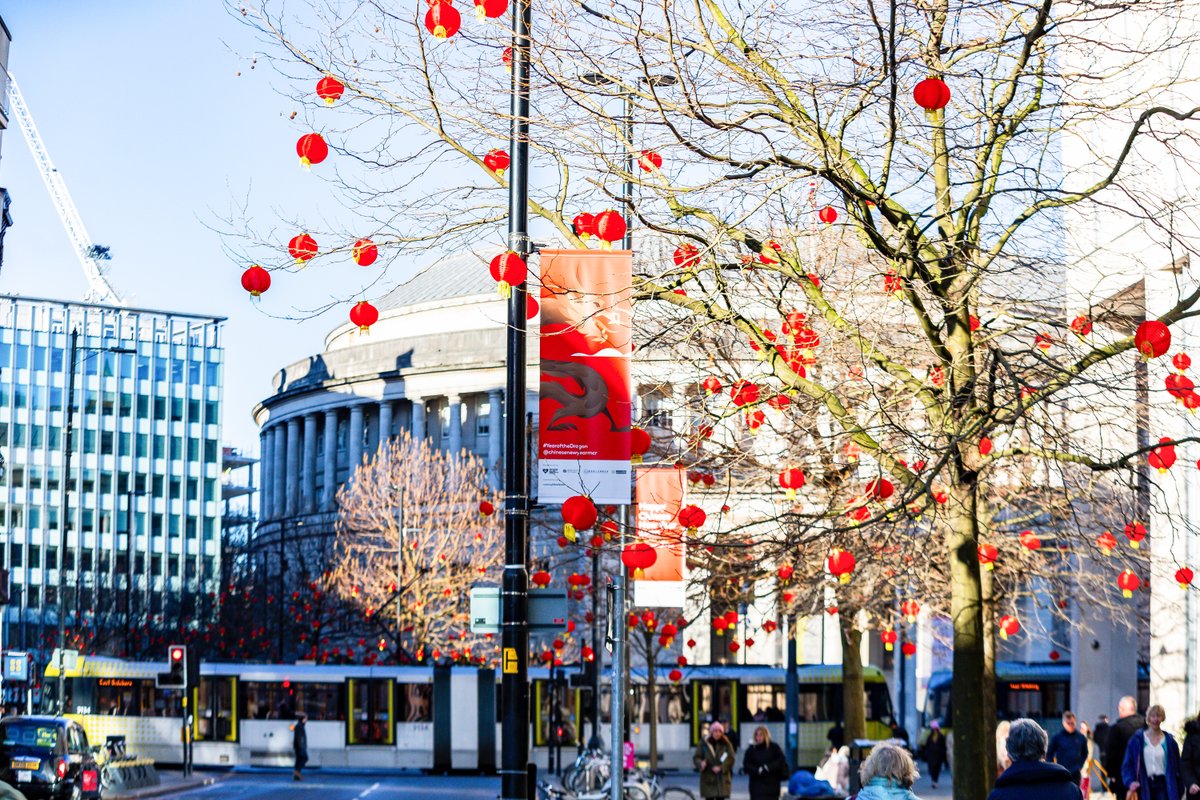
x=436, y=719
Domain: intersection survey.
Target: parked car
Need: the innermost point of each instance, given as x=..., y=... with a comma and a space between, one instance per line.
x=48, y=758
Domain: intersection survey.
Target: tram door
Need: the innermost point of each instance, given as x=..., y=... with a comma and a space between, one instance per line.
x=714, y=700
x=371, y=718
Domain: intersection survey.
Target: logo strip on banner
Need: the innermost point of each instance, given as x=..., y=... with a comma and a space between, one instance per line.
x=586, y=400
x=659, y=498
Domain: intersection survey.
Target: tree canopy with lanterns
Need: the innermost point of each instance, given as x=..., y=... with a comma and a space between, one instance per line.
x=863, y=208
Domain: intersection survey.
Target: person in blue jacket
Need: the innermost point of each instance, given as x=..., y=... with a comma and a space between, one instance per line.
x=1152, y=760
x=1030, y=777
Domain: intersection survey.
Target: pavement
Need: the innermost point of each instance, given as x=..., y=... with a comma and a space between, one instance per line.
x=345, y=785
x=170, y=783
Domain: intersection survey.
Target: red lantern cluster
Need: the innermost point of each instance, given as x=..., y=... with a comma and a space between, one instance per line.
x=312, y=149
x=579, y=514
x=490, y=9
x=743, y=393
x=841, y=563
x=364, y=315
x=508, y=270
x=692, y=517
x=639, y=557
x=540, y=579
x=256, y=280
x=1081, y=326
x=607, y=226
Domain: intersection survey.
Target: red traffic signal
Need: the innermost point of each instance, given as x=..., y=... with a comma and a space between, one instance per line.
x=176, y=655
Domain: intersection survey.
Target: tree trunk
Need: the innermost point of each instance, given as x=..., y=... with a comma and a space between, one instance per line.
x=972, y=735
x=854, y=703
x=652, y=704
x=988, y=710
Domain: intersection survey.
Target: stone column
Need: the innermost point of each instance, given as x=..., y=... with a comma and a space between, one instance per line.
x=308, y=470
x=293, y=467
x=354, y=447
x=495, y=435
x=418, y=418
x=455, y=413
x=266, y=474
x=385, y=423
x=329, y=489
x=279, y=463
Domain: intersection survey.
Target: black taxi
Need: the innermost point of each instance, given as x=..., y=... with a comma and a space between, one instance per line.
x=48, y=757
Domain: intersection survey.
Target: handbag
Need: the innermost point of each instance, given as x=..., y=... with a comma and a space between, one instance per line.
x=1132, y=794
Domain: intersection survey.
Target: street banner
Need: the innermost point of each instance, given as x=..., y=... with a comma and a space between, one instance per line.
x=659, y=498
x=585, y=408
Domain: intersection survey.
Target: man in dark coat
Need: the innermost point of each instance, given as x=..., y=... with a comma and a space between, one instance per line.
x=1130, y=722
x=1069, y=747
x=935, y=752
x=299, y=744
x=1189, y=762
x=1100, y=736
x=1030, y=777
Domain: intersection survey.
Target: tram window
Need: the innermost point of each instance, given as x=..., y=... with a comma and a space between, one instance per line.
x=716, y=705
x=879, y=702
x=282, y=700
x=416, y=702
x=674, y=704
x=120, y=697
x=765, y=702
x=564, y=697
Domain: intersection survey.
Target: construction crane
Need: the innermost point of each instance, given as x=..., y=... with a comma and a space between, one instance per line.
x=89, y=253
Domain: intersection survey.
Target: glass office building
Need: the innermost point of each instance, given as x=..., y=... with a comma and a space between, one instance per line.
x=146, y=461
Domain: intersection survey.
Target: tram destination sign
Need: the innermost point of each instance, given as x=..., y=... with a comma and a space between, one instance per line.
x=547, y=610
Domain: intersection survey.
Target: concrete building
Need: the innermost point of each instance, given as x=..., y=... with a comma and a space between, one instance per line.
x=142, y=498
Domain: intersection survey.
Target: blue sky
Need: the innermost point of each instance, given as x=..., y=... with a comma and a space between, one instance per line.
x=160, y=141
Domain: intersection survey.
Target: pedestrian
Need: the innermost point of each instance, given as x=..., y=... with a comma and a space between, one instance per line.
x=836, y=735
x=1152, y=761
x=887, y=774
x=1085, y=780
x=1100, y=736
x=1189, y=762
x=1069, y=747
x=766, y=765
x=714, y=759
x=1030, y=777
x=934, y=751
x=732, y=734
x=1128, y=723
x=299, y=744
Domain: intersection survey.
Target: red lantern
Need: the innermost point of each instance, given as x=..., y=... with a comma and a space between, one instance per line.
x=675, y=675
x=1081, y=326
x=541, y=579
x=442, y=19
x=909, y=649
x=256, y=280
x=610, y=227
x=744, y=392
x=734, y=647
x=1184, y=576
x=755, y=419
x=330, y=89
x=931, y=94
x=579, y=514
x=639, y=557
x=880, y=489
x=650, y=161
x=585, y=225
x=692, y=517
x=910, y=609
x=711, y=385
x=1135, y=531
x=985, y=446
x=687, y=255
x=365, y=252
x=841, y=564
x=785, y=573
x=1181, y=362
x=1043, y=342
x=988, y=555
x=791, y=479
x=302, y=248
x=486, y=509
x=508, y=270
x=1055, y=655
x=496, y=160
x=364, y=315
x=312, y=149
x=1128, y=583
x=1152, y=339
x=828, y=215
x=531, y=307
x=1008, y=626
x=1107, y=543
x=1162, y=458
x=889, y=638
x=639, y=444
x=770, y=625
x=587, y=653
x=1030, y=540
x=490, y=8
x=937, y=377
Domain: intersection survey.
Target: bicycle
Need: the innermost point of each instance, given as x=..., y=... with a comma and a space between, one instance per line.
x=588, y=772
x=546, y=791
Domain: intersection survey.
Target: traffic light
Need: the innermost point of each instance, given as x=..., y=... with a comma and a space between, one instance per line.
x=179, y=670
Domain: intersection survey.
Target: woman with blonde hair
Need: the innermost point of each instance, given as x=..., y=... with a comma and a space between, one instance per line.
x=887, y=774
x=1151, y=763
x=765, y=764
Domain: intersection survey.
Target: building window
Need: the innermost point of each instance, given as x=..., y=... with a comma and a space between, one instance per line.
x=483, y=419
x=657, y=414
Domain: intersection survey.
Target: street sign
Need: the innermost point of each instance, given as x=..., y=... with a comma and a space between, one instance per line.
x=509, y=663
x=16, y=667
x=547, y=610
x=70, y=660
x=609, y=604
